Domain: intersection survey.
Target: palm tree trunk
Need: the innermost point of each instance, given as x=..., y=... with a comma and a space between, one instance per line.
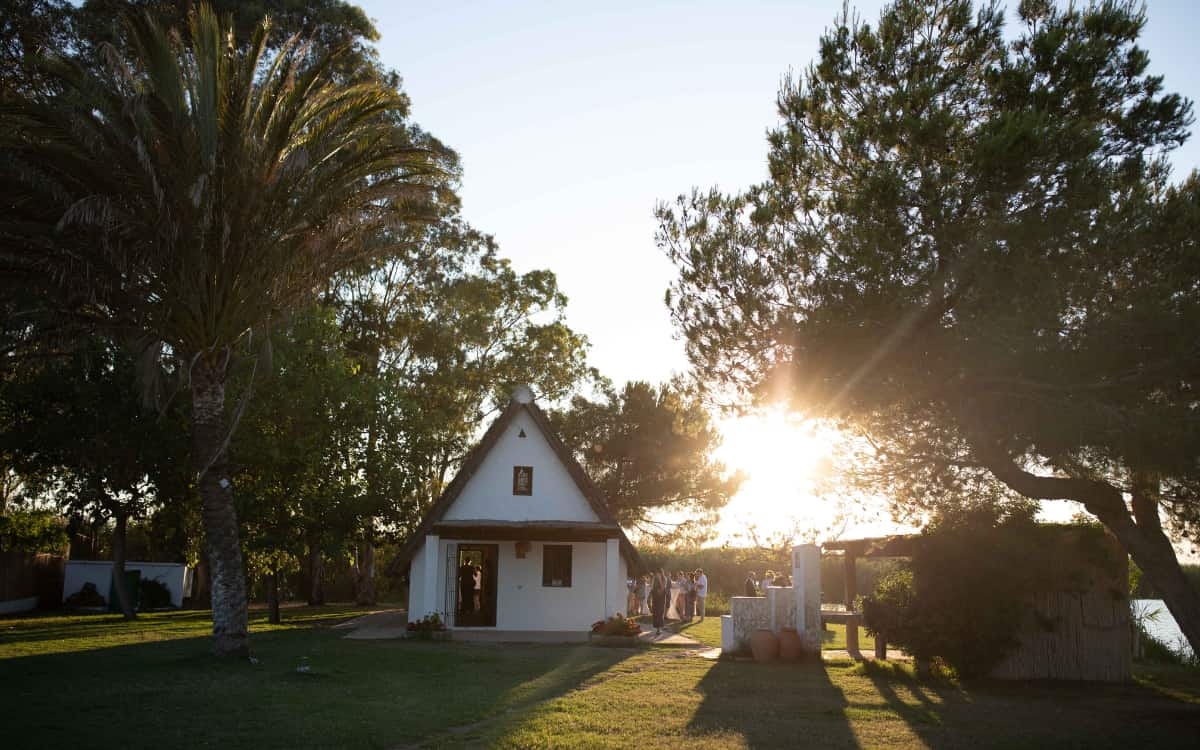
x=118, y=568
x=230, y=626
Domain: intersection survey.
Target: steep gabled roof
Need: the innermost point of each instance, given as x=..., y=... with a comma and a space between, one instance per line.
x=475, y=458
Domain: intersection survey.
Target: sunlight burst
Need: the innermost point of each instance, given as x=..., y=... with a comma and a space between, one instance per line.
x=784, y=458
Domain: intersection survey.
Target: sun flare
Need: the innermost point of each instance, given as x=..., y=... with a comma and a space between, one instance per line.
x=784, y=458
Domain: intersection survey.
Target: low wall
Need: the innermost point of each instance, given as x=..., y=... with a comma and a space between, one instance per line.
x=175, y=576
x=796, y=607
x=1072, y=636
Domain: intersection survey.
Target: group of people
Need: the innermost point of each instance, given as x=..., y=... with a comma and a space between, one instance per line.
x=756, y=587
x=678, y=596
x=470, y=589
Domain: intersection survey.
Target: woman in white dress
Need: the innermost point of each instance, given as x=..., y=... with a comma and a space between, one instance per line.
x=673, y=591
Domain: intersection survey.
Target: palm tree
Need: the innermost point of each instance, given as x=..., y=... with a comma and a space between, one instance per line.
x=188, y=193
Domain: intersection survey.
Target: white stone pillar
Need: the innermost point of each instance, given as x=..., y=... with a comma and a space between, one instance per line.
x=806, y=588
x=433, y=559
x=614, y=594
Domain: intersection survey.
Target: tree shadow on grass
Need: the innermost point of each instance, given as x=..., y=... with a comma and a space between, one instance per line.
x=309, y=688
x=995, y=713
x=773, y=705
x=842, y=704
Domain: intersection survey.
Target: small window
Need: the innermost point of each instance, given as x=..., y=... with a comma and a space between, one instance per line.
x=522, y=480
x=556, y=565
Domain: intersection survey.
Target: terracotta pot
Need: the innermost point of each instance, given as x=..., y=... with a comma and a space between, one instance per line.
x=789, y=644
x=764, y=645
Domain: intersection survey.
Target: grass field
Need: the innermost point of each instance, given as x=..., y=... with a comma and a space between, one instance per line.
x=95, y=681
x=708, y=632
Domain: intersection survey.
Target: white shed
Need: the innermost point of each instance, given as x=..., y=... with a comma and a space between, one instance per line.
x=177, y=577
x=521, y=540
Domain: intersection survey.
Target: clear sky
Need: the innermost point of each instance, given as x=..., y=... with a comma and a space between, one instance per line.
x=573, y=119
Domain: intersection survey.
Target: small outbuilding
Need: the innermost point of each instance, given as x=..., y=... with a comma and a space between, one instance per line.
x=521, y=539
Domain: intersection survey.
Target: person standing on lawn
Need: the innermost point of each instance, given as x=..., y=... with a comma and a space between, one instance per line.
x=701, y=592
x=658, y=600
x=768, y=580
x=689, y=593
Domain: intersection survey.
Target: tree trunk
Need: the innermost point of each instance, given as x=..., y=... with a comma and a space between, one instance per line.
x=124, y=596
x=230, y=627
x=1152, y=551
x=316, y=576
x=202, y=585
x=365, y=579
x=273, y=597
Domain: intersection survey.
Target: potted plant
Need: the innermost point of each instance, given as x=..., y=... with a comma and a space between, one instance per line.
x=617, y=630
x=429, y=628
x=764, y=645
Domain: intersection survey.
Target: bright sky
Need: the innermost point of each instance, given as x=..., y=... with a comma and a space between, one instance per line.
x=574, y=119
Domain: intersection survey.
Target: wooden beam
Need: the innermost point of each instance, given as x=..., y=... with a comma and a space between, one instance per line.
x=850, y=571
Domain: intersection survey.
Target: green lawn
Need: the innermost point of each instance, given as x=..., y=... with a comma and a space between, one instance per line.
x=709, y=633
x=96, y=681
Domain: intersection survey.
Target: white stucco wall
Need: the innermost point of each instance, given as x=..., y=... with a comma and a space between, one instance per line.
x=488, y=494
x=176, y=577
x=522, y=603
x=416, y=585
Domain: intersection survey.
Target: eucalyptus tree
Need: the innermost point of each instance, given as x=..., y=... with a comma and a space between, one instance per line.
x=298, y=453
x=185, y=195
x=970, y=251
x=441, y=330
x=650, y=451
x=74, y=427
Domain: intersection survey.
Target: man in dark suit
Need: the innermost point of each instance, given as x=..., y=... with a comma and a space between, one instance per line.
x=466, y=589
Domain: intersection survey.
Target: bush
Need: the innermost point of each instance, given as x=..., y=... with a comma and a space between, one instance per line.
x=153, y=594
x=428, y=624
x=618, y=624
x=716, y=604
x=32, y=531
x=87, y=596
x=967, y=591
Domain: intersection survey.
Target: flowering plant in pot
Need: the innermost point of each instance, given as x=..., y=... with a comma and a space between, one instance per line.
x=618, y=624
x=427, y=626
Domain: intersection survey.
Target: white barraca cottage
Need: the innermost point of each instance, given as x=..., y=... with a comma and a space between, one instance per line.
x=521, y=540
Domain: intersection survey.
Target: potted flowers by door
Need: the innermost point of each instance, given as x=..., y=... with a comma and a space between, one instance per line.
x=617, y=630
x=429, y=628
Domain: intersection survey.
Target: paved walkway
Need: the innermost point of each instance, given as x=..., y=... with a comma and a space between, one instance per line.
x=841, y=654
x=381, y=625
x=668, y=638
x=392, y=623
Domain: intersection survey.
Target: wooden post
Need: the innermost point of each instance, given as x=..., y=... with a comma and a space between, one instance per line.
x=880, y=647
x=850, y=572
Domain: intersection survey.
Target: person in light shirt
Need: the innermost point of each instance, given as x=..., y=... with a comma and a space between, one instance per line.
x=701, y=592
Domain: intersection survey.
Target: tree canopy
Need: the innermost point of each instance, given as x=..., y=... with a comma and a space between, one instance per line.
x=649, y=450
x=190, y=191
x=970, y=251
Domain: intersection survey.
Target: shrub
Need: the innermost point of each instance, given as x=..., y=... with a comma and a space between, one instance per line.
x=618, y=624
x=716, y=604
x=87, y=596
x=967, y=591
x=428, y=624
x=153, y=594
x=32, y=531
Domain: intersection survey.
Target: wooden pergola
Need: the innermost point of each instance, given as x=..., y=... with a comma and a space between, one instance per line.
x=900, y=545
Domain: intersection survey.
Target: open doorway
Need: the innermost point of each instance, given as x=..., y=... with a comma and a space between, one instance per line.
x=476, y=577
